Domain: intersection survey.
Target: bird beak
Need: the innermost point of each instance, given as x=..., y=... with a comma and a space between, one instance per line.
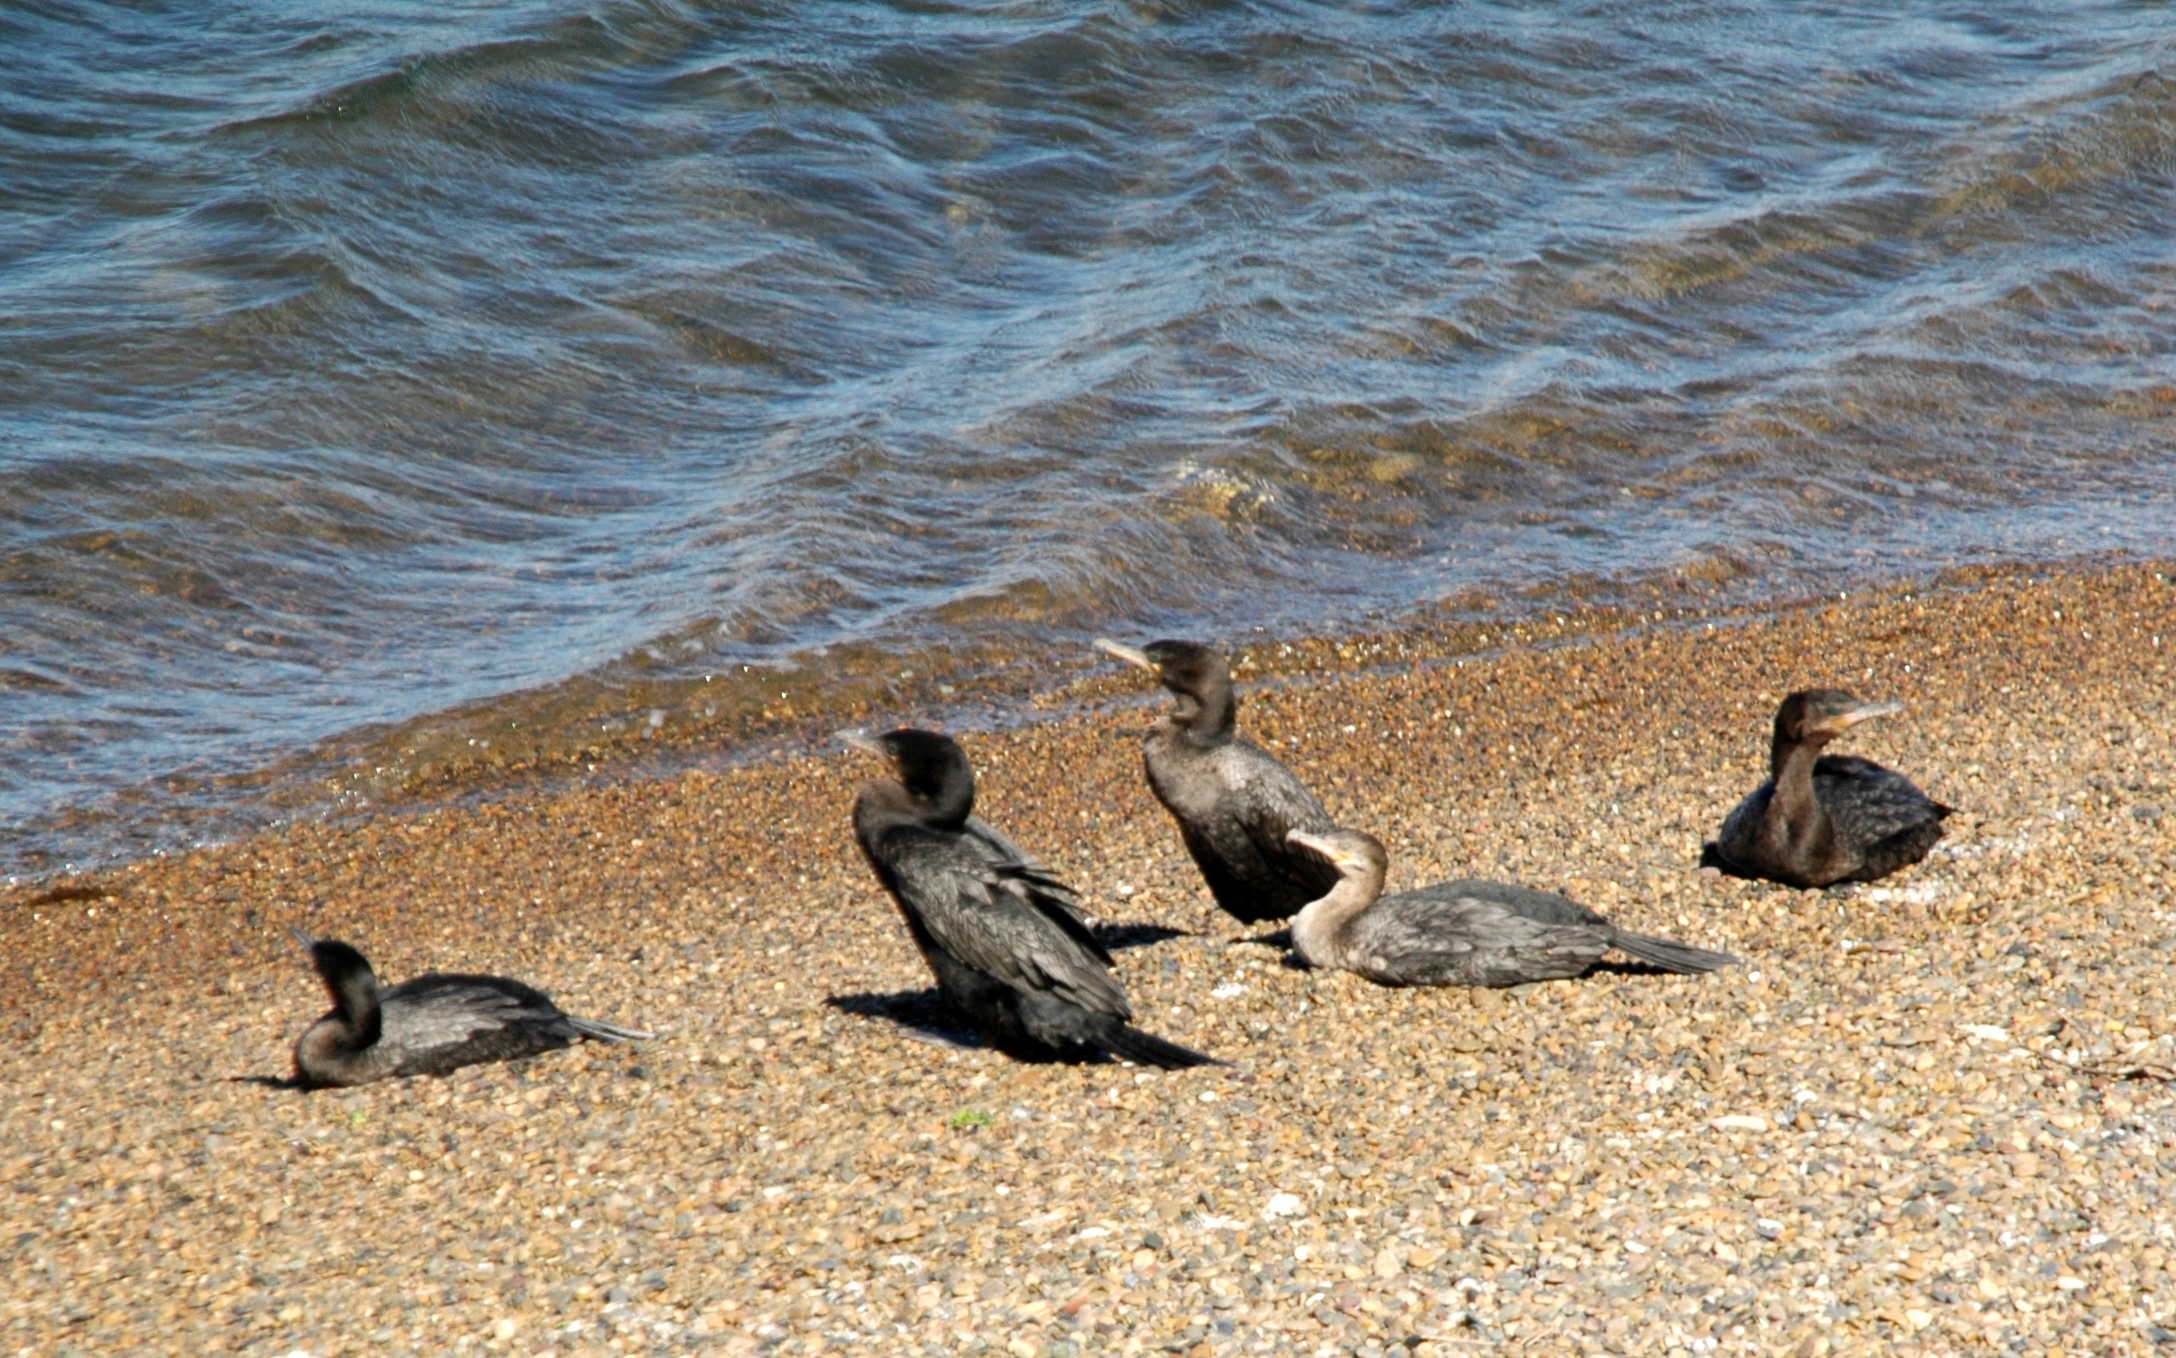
x=1323, y=847
x=1844, y=721
x=1132, y=655
x=302, y=938
x=862, y=741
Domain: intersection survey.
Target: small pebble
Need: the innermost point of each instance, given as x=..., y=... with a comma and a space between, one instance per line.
x=1948, y=1137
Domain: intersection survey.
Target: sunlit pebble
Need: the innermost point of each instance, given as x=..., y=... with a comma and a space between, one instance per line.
x=768, y=1115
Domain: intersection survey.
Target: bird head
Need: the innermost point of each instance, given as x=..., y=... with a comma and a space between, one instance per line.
x=928, y=764
x=1822, y=714
x=1349, y=851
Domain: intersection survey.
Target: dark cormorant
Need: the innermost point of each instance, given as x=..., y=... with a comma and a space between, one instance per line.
x=1823, y=818
x=1232, y=799
x=431, y=1025
x=1004, y=937
x=1460, y=933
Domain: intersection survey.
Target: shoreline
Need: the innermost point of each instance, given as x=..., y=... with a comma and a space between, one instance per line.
x=1758, y=1158
x=586, y=731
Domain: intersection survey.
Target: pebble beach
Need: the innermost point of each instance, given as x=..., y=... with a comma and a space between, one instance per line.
x=1930, y=1115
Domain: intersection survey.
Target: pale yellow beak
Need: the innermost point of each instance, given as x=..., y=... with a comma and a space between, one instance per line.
x=862, y=741
x=1844, y=721
x=1132, y=655
x=1329, y=849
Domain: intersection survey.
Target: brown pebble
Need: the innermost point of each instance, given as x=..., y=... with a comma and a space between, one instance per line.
x=1892, y=1130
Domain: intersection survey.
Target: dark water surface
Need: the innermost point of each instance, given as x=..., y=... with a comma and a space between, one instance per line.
x=362, y=364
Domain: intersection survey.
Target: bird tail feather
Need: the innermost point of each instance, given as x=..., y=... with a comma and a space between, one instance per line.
x=1147, y=1049
x=608, y=1032
x=1682, y=958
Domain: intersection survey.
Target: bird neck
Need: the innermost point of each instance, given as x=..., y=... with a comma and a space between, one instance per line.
x=355, y=995
x=1793, y=806
x=1318, y=931
x=1207, y=717
x=952, y=800
x=1783, y=749
x=885, y=804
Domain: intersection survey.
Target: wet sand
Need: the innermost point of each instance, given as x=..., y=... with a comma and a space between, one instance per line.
x=1883, y=1133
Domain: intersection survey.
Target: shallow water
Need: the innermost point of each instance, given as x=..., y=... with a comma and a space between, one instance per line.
x=438, y=367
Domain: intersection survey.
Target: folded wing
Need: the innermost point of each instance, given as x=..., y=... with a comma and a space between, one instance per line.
x=1444, y=936
x=1000, y=923
x=441, y=1023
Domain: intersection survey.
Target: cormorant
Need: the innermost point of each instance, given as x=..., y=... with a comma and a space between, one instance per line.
x=1831, y=818
x=1004, y=937
x=1460, y=933
x=1232, y=799
x=431, y=1025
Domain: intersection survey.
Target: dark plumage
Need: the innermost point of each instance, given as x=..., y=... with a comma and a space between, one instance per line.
x=428, y=1026
x=1004, y=937
x=1232, y=799
x=1460, y=933
x=1825, y=818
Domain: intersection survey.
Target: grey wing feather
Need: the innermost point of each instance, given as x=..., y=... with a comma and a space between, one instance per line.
x=1010, y=860
x=999, y=847
x=607, y=1032
x=1442, y=936
x=439, y=1024
x=1544, y=907
x=1868, y=803
x=1550, y=909
x=1271, y=800
x=993, y=924
x=1668, y=954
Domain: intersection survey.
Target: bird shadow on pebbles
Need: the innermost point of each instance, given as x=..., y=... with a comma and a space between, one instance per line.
x=1615, y=968
x=1114, y=937
x=286, y=1082
x=1291, y=961
x=920, y=1015
x=1281, y=941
